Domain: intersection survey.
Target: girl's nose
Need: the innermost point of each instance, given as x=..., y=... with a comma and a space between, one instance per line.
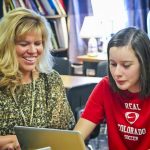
x=118, y=70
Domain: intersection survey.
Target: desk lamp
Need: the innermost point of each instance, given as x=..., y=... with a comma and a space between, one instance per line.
x=91, y=29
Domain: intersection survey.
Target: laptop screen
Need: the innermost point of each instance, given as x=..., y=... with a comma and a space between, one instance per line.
x=35, y=138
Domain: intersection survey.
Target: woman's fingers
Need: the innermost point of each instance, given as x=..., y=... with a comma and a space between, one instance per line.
x=12, y=146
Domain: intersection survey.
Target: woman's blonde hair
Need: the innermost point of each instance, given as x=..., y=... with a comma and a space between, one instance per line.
x=14, y=25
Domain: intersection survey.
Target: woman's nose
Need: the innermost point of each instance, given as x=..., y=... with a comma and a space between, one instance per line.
x=32, y=49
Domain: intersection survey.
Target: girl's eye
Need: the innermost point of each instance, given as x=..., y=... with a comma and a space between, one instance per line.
x=126, y=65
x=113, y=64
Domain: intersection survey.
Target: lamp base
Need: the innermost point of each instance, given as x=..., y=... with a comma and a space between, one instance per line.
x=92, y=47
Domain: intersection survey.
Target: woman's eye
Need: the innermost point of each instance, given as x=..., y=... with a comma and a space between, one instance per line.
x=38, y=44
x=23, y=44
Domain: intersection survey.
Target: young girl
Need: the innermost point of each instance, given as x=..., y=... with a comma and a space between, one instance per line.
x=123, y=98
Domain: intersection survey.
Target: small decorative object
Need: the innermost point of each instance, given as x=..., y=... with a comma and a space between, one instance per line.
x=91, y=29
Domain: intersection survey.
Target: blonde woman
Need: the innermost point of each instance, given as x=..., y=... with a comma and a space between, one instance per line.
x=31, y=92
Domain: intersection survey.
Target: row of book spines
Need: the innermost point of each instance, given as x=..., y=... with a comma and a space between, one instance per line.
x=59, y=33
x=59, y=36
x=44, y=7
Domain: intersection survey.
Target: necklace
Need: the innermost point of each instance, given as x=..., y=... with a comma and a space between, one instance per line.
x=32, y=107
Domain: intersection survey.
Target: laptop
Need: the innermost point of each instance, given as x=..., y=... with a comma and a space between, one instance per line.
x=31, y=138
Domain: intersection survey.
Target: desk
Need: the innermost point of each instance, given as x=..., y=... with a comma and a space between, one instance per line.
x=91, y=62
x=73, y=81
x=86, y=58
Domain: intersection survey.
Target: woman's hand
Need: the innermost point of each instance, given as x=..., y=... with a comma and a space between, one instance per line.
x=9, y=142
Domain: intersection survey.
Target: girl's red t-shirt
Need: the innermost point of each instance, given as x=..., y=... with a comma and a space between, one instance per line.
x=127, y=116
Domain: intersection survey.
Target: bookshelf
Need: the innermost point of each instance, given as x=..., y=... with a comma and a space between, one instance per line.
x=54, y=12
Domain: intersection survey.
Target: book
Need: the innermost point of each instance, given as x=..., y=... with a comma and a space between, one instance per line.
x=63, y=12
x=34, y=6
x=4, y=8
x=56, y=7
x=55, y=30
x=16, y=3
x=63, y=4
x=47, y=7
x=7, y=6
x=40, y=8
x=22, y=3
x=28, y=4
x=57, y=34
x=63, y=32
x=51, y=2
x=11, y=5
x=53, y=40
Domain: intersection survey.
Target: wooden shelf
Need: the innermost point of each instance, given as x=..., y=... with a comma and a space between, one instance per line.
x=60, y=49
x=55, y=17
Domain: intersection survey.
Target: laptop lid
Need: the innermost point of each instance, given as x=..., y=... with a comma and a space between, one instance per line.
x=34, y=138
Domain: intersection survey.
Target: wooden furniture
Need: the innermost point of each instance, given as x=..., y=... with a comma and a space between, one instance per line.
x=91, y=62
x=97, y=58
x=73, y=81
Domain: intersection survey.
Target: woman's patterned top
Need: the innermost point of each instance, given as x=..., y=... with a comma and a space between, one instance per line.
x=52, y=110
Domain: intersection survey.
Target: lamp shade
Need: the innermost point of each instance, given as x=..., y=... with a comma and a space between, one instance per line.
x=91, y=27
